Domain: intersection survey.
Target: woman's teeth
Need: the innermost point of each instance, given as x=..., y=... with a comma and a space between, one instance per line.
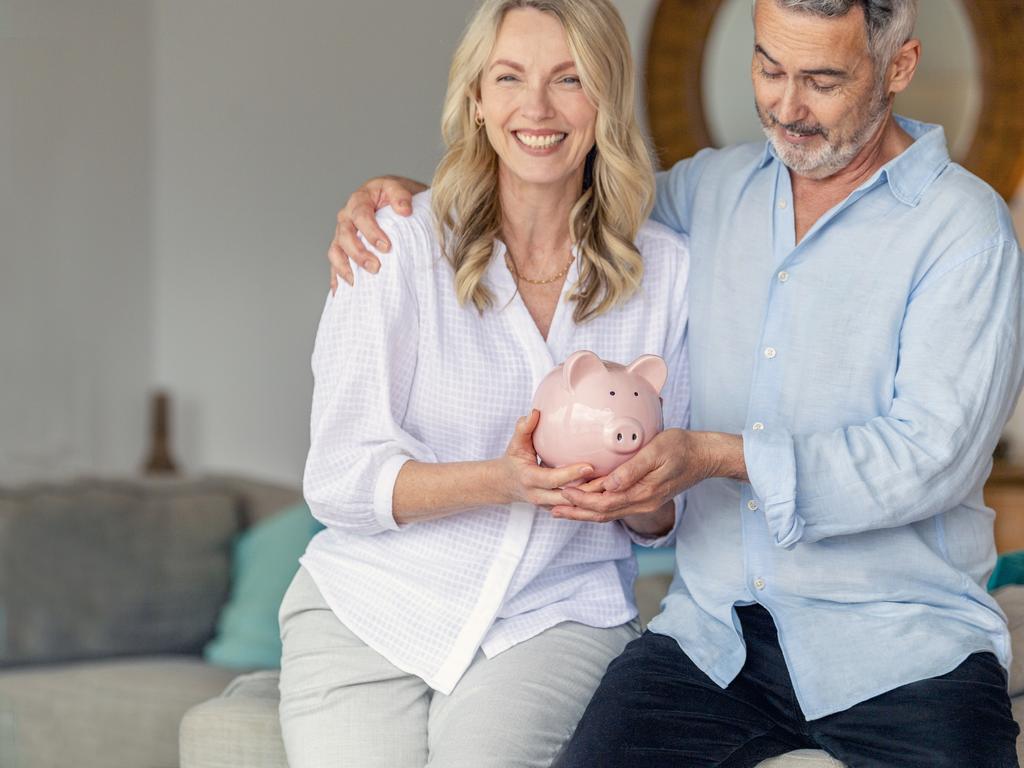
x=541, y=142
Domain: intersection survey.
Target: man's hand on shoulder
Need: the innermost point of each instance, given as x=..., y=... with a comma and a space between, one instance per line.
x=359, y=216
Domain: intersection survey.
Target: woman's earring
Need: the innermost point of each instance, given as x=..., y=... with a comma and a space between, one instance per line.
x=478, y=119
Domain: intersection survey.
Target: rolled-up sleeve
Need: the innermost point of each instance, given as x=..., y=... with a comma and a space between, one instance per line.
x=363, y=363
x=771, y=466
x=958, y=376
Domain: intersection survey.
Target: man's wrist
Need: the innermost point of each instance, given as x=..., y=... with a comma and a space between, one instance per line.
x=654, y=524
x=723, y=454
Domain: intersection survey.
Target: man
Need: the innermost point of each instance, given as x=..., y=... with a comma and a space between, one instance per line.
x=855, y=350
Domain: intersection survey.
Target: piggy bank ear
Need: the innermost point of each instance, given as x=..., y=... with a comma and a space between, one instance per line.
x=651, y=369
x=579, y=366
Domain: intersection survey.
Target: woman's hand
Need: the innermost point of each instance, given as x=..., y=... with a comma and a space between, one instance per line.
x=527, y=481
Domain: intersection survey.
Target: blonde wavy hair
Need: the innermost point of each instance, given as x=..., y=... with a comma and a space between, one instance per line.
x=618, y=188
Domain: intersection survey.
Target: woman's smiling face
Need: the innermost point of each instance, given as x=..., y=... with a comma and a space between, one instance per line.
x=538, y=118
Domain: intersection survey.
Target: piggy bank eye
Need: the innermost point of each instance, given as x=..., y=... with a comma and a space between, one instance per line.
x=636, y=394
x=612, y=393
x=619, y=437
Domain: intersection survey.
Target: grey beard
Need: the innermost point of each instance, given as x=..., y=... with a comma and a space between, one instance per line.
x=832, y=158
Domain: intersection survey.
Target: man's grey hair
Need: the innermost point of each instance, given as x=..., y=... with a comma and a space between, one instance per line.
x=890, y=23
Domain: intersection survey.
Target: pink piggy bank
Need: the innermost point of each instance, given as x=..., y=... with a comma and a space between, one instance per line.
x=598, y=412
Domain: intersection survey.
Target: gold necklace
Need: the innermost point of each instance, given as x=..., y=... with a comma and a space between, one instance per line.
x=515, y=271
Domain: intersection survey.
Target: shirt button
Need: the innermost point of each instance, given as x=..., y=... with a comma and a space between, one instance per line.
x=782, y=204
x=759, y=583
x=769, y=352
x=757, y=426
x=783, y=276
x=752, y=505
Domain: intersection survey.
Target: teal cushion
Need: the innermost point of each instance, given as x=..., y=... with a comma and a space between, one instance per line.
x=1009, y=570
x=264, y=561
x=655, y=561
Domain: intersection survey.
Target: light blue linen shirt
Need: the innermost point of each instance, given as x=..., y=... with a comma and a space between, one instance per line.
x=870, y=369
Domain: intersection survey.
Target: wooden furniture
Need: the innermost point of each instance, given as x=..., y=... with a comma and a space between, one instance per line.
x=160, y=461
x=1004, y=492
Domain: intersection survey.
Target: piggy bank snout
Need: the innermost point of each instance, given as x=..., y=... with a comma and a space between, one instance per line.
x=623, y=435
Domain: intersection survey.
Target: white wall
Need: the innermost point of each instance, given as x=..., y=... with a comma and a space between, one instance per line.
x=74, y=226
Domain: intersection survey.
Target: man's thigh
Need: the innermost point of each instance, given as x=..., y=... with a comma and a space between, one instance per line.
x=342, y=703
x=656, y=707
x=959, y=719
x=518, y=709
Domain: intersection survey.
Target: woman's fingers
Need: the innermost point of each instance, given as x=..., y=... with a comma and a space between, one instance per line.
x=547, y=498
x=601, y=503
x=521, y=443
x=595, y=485
x=552, y=479
x=576, y=513
x=530, y=422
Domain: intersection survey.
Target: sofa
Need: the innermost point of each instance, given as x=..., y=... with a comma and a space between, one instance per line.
x=109, y=592
x=114, y=605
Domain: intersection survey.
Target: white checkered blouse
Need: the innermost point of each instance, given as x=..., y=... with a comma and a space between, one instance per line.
x=404, y=372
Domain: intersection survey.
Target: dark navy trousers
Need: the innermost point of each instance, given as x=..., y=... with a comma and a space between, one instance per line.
x=654, y=707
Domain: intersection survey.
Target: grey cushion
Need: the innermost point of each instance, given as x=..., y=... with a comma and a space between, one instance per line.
x=802, y=758
x=101, y=714
x=98, y=569
x=259, y=499
x=239, y=728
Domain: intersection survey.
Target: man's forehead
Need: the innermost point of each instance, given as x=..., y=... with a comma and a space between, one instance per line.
x=808, y=41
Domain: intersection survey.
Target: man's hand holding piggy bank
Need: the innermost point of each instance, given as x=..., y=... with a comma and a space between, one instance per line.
x=597, y=412
x=608, y=416
x=591, y=414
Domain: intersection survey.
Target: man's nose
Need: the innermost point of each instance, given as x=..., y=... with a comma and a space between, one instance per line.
x=791, y=108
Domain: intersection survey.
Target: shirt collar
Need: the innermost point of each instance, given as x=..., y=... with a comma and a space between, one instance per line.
x=909, y=173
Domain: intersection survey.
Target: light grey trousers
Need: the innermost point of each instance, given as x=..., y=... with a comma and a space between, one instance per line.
x=343, y=705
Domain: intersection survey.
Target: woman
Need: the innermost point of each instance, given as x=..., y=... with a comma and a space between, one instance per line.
x=445, y=616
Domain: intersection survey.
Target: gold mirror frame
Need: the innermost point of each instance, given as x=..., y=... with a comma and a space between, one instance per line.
x=675, y=108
